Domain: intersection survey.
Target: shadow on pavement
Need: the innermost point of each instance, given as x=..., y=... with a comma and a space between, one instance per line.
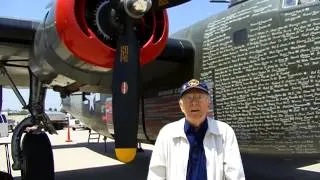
x=256, y=167
x=136, y=170
x=106, y=149
x=265, y=168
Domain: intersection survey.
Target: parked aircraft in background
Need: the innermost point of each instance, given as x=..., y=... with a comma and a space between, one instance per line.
x=259, y=57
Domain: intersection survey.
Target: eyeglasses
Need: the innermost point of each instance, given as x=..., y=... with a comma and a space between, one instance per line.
x=195, y=97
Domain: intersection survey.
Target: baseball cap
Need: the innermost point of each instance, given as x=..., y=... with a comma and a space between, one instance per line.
x=193, y=84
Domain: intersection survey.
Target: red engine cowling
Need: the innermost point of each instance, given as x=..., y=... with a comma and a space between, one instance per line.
x=86, y=29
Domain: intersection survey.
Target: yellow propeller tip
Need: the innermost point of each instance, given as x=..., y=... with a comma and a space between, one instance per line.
x=126, y=154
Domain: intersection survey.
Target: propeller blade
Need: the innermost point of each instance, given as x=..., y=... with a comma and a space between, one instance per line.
x=160, y=4
x=125, y=92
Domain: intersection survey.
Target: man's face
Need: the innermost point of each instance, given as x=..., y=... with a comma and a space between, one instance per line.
x=195, y=106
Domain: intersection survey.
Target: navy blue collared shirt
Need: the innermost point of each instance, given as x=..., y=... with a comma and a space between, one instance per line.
x=197, y=168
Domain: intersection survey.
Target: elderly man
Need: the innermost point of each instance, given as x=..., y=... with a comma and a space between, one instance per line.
x=197, y=147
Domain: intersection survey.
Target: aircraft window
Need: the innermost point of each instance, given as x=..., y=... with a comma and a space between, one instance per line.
x=289, y=3
x=240, y=37
x=292, y=3
x=306, y=1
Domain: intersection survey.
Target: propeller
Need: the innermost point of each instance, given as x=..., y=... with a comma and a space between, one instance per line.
x=125, y=92
x=126, y=79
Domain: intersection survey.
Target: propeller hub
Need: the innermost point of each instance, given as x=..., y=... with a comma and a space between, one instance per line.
x=137, y=8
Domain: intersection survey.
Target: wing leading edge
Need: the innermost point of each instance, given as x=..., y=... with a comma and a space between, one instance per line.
x=16, y=44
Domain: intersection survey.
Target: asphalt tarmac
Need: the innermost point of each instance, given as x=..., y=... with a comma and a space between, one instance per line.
x=80, y=160
x=267, y=168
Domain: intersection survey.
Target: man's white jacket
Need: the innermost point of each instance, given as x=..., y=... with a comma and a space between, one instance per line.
x=170, y=155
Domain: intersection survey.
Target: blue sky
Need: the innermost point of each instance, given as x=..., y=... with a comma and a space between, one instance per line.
x=179, y=17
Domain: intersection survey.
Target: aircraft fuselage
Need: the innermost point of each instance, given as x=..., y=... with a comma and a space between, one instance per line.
x=261, y=60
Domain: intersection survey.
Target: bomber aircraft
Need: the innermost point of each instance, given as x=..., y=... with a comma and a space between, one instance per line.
x=261, y=61
x=81, y=45
x=259, y=57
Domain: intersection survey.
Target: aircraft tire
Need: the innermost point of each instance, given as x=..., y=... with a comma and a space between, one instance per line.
x=37, y=157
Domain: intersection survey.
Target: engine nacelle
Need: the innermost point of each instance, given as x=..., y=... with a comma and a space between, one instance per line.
x=77, y=40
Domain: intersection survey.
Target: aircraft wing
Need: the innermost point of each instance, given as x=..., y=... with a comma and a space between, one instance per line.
x=16, y=45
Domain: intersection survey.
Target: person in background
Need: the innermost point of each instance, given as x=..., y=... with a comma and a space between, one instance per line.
x=197, y=147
